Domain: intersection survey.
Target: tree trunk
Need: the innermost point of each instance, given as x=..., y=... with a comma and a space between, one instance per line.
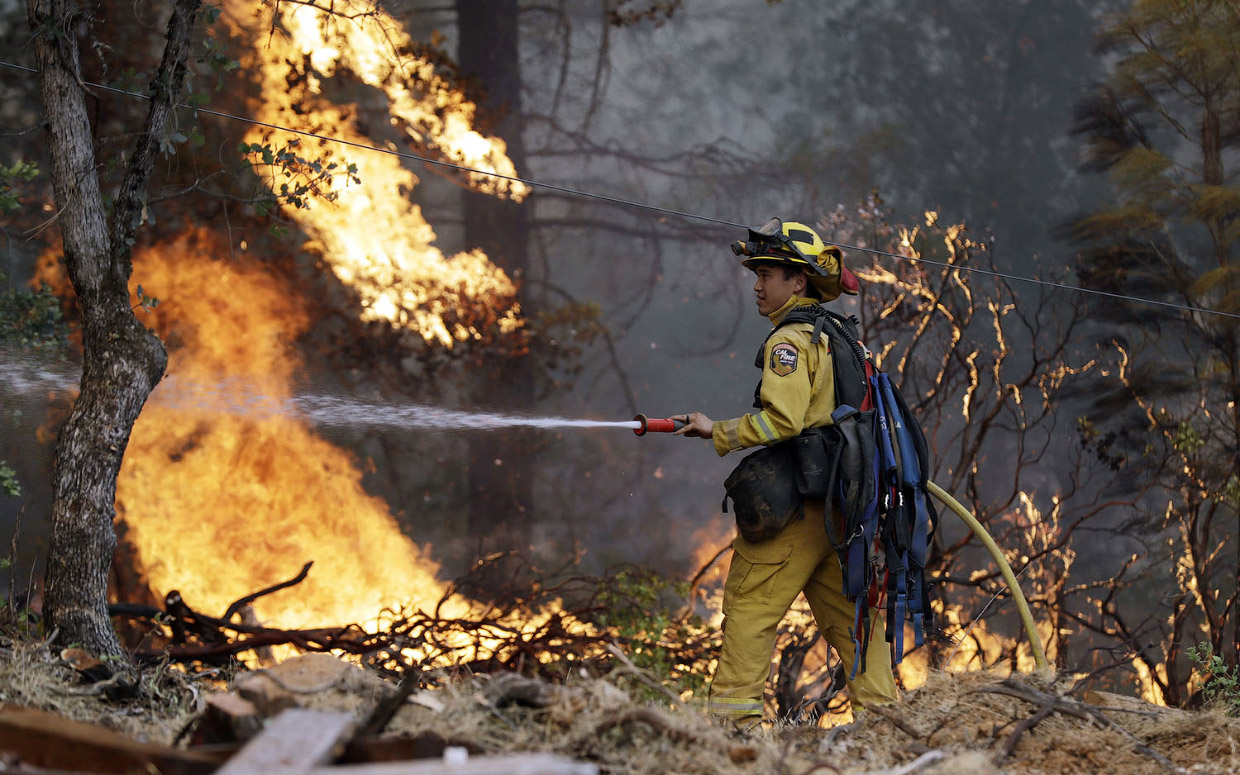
x=499, y=493
x=1230, y=606
x=122, y=360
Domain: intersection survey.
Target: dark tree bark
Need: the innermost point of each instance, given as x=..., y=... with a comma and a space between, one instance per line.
x=499, y=494
x=122, y=360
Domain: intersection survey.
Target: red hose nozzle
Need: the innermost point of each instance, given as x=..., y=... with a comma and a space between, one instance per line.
x=661, y=425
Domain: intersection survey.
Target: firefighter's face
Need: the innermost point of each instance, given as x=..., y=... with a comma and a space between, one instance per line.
x=773, y=288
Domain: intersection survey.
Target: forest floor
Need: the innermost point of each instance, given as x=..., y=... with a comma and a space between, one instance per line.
x=959, y=723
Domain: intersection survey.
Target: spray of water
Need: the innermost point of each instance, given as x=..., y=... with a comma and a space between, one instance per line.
x=24, y=376
x=331, y=410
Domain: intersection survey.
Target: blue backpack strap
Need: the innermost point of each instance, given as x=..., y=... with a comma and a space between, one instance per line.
x=914, y=514
x=882, y=432
x=897, y=586
x=926, y=518
x=887, y=466
x=919, y=595
x=926, y=612
x=910, y=466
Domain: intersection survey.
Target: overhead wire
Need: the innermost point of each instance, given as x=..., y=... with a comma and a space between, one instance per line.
x=407, y=155
x=652, y=208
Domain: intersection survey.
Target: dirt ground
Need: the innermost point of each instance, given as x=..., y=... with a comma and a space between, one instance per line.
x=963, y=724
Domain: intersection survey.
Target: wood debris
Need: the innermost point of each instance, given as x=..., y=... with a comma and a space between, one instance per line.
x=293, y=742
x=49, y=741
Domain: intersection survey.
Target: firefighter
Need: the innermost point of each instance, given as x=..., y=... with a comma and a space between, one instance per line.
x=793, y=268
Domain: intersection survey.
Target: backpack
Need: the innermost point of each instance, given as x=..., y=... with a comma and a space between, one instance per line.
x=873, y=464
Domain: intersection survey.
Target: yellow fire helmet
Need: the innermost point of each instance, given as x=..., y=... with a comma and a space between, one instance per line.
x=797, y=244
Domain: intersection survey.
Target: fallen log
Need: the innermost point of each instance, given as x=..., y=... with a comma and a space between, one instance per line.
x=53, y=742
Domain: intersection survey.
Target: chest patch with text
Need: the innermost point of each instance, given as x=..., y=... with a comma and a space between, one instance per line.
x=784, y=359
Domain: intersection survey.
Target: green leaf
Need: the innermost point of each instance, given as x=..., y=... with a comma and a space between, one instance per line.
x=8, y=480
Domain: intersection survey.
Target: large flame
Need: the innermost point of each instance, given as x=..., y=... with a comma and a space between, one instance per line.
x=372, y=237
x=223, y=502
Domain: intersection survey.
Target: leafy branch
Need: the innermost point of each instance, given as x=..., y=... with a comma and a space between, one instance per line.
x=8, y=480
x=293, y=179
x=1220, y=683
x=145, y=301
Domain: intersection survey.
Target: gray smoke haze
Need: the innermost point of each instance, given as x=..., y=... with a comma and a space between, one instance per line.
x=734, y=109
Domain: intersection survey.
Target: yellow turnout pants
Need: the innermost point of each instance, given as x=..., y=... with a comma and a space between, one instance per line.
x=762, y=584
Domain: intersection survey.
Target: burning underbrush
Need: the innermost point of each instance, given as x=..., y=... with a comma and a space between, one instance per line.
x=608, y=671
x=544, y=625
x=607, y=711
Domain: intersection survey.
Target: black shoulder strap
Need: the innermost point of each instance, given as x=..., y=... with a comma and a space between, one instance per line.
x=818, y=326
x=807, y=314
x=851, y=382
x=851, y=385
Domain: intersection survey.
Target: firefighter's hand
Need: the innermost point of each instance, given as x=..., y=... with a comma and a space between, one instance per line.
x=697, y=425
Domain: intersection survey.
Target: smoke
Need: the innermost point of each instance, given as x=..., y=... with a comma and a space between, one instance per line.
x=28, y=376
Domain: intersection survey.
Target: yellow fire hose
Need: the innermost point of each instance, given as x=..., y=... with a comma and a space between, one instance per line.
x=1031, y=632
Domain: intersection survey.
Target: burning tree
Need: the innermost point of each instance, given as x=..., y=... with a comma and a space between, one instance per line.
x=375, y=244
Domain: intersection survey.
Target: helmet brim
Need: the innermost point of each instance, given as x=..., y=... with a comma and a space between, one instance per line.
x=753, y=262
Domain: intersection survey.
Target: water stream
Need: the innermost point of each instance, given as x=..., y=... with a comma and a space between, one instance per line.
x=28, y=377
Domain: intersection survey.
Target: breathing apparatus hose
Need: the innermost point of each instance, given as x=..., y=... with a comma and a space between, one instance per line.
x=1031, y=632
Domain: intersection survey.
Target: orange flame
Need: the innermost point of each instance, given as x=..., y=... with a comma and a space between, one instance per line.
x=221, y=503
x=372, y=237
x=710, y=539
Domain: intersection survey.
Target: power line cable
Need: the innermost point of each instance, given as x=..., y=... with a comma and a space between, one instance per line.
x=407, y=155
x=653, y=208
